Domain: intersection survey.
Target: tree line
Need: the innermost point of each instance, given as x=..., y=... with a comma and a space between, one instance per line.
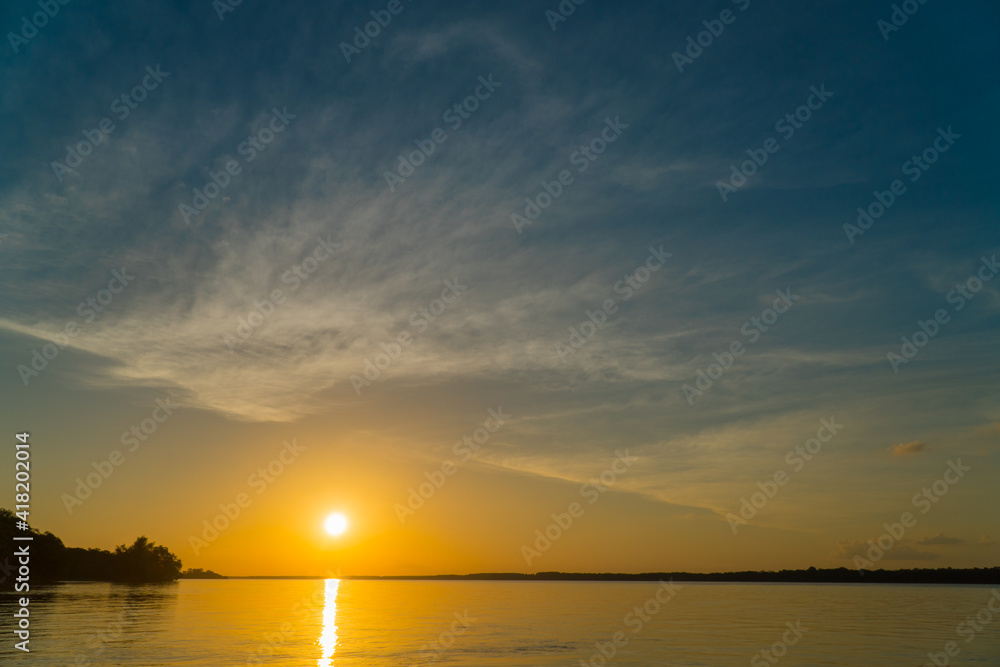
x=51, y=560
x=840, y=575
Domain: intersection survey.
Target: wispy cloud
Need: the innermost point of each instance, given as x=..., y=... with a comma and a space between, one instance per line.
x=908, y=448
x=940, y=539
x=848, y=549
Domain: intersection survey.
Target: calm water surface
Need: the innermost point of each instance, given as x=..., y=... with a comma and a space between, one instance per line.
x=529, y=624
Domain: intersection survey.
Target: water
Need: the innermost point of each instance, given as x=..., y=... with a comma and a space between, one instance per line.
x=528, y=624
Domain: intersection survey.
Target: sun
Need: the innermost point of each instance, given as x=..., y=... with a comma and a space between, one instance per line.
x=336, y=524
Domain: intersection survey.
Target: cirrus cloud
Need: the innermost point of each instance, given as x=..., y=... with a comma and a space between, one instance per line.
x=908, y=448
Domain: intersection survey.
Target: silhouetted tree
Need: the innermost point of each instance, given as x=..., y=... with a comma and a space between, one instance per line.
x=144, y=561
x=198, y=573
x=51, y=560
x=47, y=551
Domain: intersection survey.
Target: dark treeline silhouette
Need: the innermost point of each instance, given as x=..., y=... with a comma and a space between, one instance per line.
x=840, y=575
x=198, y=573
x=51, y=560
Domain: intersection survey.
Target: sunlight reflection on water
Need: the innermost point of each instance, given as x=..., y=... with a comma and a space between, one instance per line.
x=328, y=640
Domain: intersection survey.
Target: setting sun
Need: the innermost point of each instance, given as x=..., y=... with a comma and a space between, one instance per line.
x=336, y=524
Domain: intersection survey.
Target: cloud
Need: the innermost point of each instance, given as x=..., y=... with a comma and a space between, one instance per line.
x=847, y=549
x=940, y=538
x=906, y=449
x=426, y=44
x=907, y=552
x=850, y=549
x=986, y=540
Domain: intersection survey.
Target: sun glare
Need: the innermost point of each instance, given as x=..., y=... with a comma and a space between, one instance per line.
x=336, y=524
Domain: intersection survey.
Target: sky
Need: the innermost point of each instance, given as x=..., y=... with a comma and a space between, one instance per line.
x=515, y=288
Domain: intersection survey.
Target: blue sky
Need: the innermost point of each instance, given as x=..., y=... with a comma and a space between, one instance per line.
x=323, y=177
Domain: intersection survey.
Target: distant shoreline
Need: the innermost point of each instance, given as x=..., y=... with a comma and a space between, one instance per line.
x=983, y=576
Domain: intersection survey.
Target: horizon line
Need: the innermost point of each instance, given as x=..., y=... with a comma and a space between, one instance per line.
x=811, y=572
